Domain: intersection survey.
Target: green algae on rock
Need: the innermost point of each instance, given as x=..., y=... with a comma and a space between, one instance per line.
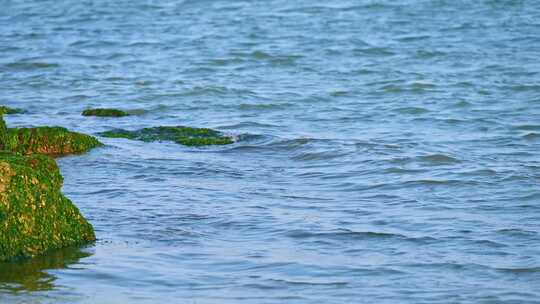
x=35, y=216
x=8, y=110
x=182, y=135
x=104, y=112
x=48, y=140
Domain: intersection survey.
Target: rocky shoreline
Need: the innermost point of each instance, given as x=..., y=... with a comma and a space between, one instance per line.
x=35, y=217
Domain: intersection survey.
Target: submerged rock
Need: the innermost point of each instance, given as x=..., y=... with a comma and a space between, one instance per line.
x=47, y=140
x=105, y=113
x=182, y=135
x=8, y=110
x=34, y=215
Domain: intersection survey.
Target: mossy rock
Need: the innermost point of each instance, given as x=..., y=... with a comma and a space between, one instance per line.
x=34, y=215
x=182, y=135
x=55, y=141
x=105, y=113
x=47, y=140
x=8, y=110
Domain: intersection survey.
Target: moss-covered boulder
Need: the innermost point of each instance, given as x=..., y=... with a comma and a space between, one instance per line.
x=34, y=215
x=182, y=135
x=47, y=140
x=8, y=110
x=105, y=112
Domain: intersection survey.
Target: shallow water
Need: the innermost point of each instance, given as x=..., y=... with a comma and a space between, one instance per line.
x=387, y=152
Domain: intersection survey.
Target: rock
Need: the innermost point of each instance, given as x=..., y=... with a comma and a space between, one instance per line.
x=8, y=110
x=34, y=215
x=47, y=140
x=105, y=113
x=182, y=135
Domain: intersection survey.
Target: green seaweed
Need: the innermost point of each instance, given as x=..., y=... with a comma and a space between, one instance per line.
x=8, y=110
x=119, y=134
x=34, y=215
x=194, y=141
x=101, y=112
x=179, y=134
x=47, y=140
x=37, y=217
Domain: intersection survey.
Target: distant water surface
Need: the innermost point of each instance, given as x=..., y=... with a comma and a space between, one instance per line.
x=388, y=151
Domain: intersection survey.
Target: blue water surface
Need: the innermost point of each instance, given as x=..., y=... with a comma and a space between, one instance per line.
x=387, y=151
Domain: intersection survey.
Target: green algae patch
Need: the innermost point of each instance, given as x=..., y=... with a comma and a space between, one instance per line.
x=36, y=216
x=105, y=112
x=179, y=134
x=8, y=110
x=119, y=134
x=48, y=140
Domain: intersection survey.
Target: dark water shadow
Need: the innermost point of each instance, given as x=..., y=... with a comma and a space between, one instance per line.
x=32, y=274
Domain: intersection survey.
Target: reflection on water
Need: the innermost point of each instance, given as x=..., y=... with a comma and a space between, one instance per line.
x=32, y=274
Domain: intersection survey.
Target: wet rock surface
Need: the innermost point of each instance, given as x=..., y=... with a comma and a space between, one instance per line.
x=101, y=112
x=35, y=216
x=186, y=136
